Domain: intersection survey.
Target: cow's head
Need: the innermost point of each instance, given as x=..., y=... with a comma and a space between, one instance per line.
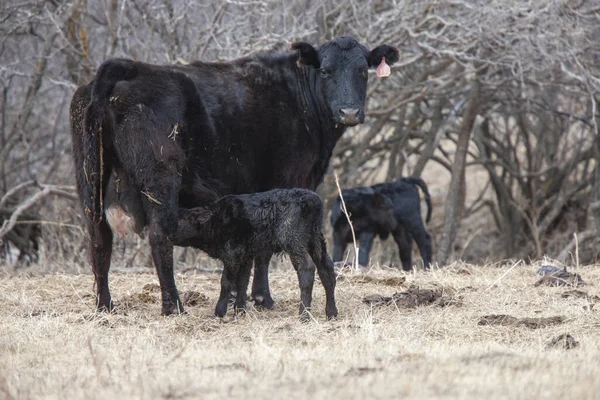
x=342, y=66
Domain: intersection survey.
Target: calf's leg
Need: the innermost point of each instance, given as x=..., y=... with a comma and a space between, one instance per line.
x=306, y=279
x=241, y=284
x=228, y=279
x=260, y=283
x=365, y=242
x=339, y=246
x=404, y=242
x=318, y=253
x=417, y=230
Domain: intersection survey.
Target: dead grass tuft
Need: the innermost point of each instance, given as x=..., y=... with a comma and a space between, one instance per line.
x=53, y=344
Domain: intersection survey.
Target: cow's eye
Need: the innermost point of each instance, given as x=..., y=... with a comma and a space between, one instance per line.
x=324, y=73
x=364, y=72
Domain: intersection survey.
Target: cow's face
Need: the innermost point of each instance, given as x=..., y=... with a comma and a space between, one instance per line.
x=380, y=210
x=342, y=66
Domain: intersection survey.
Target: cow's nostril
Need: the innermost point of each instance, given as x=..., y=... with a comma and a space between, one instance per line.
x=349, y=112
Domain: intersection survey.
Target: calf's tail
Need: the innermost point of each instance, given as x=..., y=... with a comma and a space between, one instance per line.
x=421, y=183
x=95, y=131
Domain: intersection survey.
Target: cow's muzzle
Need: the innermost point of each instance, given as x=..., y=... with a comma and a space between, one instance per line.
x=350, y=116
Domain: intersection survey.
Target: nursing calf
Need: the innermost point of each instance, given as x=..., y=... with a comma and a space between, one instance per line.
x=238, y=228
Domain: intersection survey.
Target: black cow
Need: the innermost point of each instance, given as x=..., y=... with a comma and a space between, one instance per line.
x=186, y=135
x=237, y=228
x=407, y=221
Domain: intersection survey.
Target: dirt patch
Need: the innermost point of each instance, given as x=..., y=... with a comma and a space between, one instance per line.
x=193, y=298
x=360, y=371
x=564, y=341
x=533, y=323
x=580, y=294
x=136, y=300
x=151, y=288
x=558, y=277
x=415, y=297
x=388, y=281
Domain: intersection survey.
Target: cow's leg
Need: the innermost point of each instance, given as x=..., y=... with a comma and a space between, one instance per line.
x=404, y=242
x=318, y=253
x=339, y=245
x=228, y=279
x=306, y=278
x=260, y=283
x=163, y=220
x=101, y=239
x=365, y=240
x=241, y=284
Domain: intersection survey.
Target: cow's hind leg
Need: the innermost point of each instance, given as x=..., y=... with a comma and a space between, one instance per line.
x=101, y=239
x=260, y=283
x=306, y=279
x=318, y=253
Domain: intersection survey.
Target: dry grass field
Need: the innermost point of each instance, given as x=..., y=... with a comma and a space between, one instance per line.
x=53, y=344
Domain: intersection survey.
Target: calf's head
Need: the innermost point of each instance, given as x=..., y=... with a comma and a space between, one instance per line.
x=342, y=66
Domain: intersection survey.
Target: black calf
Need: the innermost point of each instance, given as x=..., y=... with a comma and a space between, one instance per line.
x=369, y=221
x=238, y=228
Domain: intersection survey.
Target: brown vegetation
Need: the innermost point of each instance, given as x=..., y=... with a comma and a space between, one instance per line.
x=54, y=345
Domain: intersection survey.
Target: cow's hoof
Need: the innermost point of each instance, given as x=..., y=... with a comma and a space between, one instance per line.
x=263, y=301
x=221, y=309
x=172, y=308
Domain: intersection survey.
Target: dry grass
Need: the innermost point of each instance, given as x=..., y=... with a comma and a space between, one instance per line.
x=53, y=345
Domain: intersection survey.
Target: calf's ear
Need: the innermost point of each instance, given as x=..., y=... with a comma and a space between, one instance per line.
x=307, y=55
x=201, y=215
x=379, y=199
x=390, y=53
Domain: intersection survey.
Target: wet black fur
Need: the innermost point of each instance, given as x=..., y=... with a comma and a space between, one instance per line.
x=237, y=228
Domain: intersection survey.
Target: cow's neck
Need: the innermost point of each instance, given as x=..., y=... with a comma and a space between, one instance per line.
x=316, y=113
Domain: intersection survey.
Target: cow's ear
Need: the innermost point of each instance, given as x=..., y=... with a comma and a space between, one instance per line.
x=390, y=53
x=307, y=55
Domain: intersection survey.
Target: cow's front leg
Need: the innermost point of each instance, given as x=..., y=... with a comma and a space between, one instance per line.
x=260, y=283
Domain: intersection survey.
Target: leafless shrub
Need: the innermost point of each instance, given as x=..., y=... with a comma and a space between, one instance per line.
x=510, y=88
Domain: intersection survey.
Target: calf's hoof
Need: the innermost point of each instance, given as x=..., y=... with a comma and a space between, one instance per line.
x=221, y=308
x=263, y=301
x=331, y=312
x=105, y=304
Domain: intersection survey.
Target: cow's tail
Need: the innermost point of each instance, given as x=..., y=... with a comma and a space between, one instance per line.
x=95, y=133
x=421, y=183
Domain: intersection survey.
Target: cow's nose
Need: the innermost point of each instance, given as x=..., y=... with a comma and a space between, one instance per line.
x=349, y=116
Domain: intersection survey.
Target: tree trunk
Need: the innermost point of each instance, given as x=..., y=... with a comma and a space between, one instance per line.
x=456, y=192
